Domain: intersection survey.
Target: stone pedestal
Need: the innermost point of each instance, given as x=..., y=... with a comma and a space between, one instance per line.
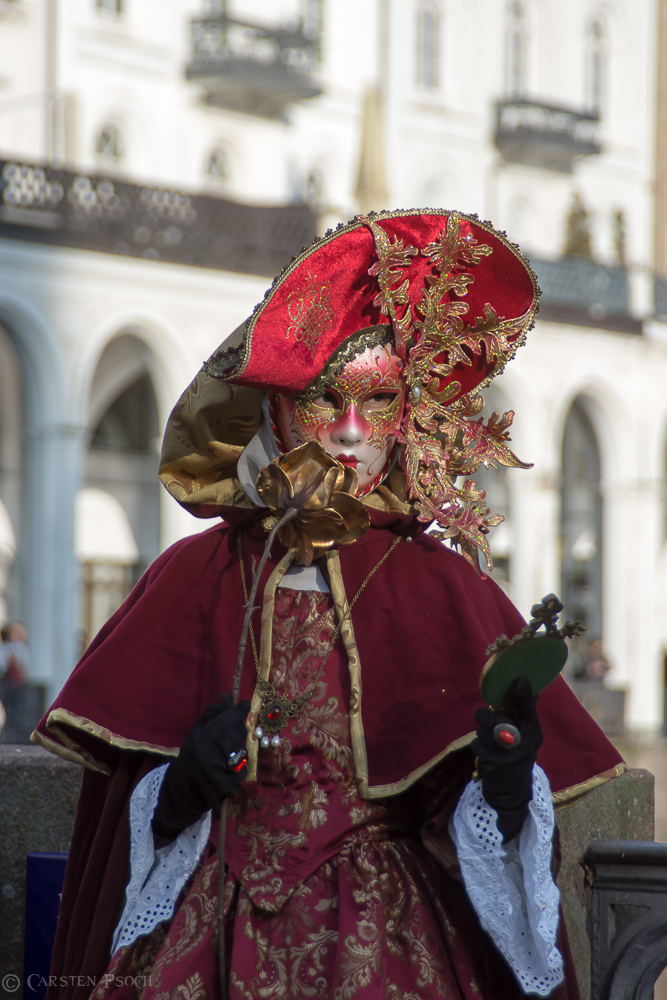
x=621, y=809
x=38, y=796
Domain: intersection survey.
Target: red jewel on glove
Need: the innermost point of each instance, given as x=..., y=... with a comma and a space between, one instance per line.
x=506, y=735
x=237, y=760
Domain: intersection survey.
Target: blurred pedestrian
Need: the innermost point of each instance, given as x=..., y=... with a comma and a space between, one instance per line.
x=14, y=654
x=592, y=665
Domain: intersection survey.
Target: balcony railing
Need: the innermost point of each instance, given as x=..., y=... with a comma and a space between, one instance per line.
x=543, y=135
x=576, y=285
x=252, y=68
x=94, y=212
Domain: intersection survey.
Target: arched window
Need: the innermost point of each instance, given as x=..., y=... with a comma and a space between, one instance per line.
x=111, y=6
x=581, y=523
x=218, y=166
x=516, y=55
x=595, y=67
x=110, y=145
x=428, y=45
x=117, y=526
x=313, y=193
x=131, y=421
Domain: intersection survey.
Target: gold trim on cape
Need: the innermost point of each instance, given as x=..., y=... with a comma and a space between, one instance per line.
x=357, y=737
x=60, y=751
x=73, y=751
x=265, y=649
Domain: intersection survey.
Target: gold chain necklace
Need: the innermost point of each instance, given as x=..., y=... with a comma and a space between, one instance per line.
x=277, y=709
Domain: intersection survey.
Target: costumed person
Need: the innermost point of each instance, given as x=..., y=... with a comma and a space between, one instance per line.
x=362, y=857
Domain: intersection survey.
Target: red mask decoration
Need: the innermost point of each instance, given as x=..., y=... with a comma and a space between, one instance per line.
x=356, y=418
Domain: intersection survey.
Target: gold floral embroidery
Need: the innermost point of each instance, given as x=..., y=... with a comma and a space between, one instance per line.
x=198, y=915
x=442, y=440
x=310, y=314
x=191, y=989
x=391, y=917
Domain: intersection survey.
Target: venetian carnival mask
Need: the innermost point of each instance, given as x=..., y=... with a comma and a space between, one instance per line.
x=356, y=417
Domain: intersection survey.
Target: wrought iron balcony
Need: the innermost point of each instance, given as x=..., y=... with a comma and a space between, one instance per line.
x=582, y=283
x=543, y=135
x=252, y=68
x=583, y=291
x=94, y=212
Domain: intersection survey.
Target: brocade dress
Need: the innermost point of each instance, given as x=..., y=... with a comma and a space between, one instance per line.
x=327, y=894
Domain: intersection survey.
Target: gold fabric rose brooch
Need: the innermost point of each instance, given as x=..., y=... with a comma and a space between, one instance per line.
x=311, y=496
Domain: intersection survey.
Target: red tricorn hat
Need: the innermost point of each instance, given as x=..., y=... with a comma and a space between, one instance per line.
x=389, y=268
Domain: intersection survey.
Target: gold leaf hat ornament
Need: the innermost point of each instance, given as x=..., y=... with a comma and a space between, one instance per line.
x=320, y=491
x=457, y=299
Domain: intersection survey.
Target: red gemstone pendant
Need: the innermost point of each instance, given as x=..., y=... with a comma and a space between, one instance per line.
x=274, y=712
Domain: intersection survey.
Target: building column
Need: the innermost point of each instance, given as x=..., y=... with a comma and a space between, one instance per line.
x=535, y=506
x=633, y=631
x=55, y=458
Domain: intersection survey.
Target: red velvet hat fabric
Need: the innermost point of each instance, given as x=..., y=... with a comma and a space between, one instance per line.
x=327, y=294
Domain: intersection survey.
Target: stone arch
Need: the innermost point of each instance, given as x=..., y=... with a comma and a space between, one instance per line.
x=154, y=347
x=124, y=417
x=608, y=416
x=42, y=369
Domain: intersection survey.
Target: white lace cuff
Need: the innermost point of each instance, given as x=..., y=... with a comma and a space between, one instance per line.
x=156, y=876
x=511, y=887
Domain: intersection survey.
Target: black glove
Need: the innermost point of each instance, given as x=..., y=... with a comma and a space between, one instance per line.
x=200, y=776
x=507, y=773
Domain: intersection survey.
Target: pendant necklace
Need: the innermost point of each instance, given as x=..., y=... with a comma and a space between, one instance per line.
x=277, y=709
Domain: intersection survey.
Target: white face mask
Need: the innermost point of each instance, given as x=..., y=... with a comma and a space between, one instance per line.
x=356, y=418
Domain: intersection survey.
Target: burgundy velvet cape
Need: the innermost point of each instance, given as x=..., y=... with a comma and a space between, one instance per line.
x=422, y=625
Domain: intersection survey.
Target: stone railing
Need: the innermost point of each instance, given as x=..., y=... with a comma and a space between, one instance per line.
x=628, y=917
x=96, y=212
x=586, y=292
